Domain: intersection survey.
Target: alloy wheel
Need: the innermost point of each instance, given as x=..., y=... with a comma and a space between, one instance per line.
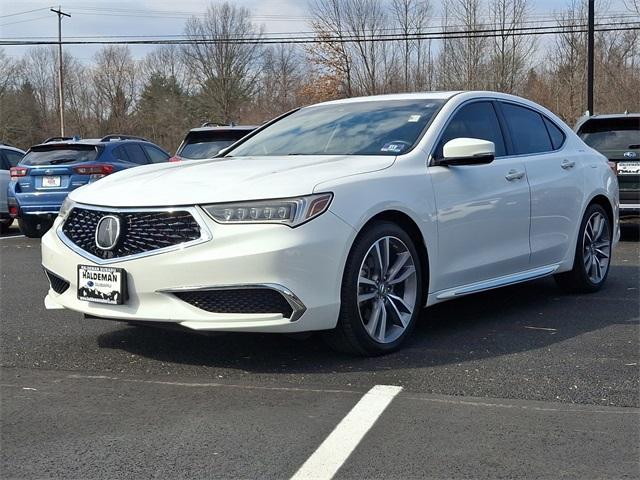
x=596, y=247
x=387, y=289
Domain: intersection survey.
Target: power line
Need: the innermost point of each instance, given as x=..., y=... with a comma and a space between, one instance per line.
x=23, y=21
x=22, y=13
x=314, y=40
x=343, y=38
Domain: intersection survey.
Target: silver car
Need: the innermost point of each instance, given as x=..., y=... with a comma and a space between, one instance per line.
x=9, y=157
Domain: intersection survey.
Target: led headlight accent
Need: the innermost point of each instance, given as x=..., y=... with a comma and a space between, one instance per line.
x=288, y=211
x=66, y=207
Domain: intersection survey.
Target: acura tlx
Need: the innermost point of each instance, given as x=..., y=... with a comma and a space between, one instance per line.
x=345, y=217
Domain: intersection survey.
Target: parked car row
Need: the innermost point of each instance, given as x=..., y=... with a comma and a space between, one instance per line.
x=34, y=185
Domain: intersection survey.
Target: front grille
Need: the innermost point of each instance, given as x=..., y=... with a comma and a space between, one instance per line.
x=238, y=300
x=141, y=232
x=58, y=285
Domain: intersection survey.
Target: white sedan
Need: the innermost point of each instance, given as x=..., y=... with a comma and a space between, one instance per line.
x=346, y=217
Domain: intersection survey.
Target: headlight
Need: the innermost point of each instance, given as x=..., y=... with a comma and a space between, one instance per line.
x=288, y=211
x=66, y=207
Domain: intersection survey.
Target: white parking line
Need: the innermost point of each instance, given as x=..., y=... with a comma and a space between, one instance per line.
x=334, y=451
x=12, y=236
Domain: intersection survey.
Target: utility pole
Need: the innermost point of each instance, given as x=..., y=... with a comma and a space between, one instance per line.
x=590, y=56
x=60, y=14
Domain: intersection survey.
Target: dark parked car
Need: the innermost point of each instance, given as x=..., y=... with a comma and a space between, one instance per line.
x=617, y=137
x=49, y=171
x=208, y=140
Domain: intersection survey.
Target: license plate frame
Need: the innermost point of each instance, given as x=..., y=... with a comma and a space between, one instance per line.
x=51, y=181
x=628, y=168
x=107, y=285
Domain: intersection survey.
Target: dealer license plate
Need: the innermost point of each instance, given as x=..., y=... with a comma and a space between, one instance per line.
x=628, y=168
x=102, y=284
x=48, y=181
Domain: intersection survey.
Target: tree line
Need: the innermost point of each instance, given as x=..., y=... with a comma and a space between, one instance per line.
x=177, y=87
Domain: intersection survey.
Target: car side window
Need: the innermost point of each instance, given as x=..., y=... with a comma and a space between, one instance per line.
x=121, y=154
x=527, y=128
x=13, y=158
x=155, y=154
x=135, y=153
x=474, y=120
x=557, y=135
x=4, y=165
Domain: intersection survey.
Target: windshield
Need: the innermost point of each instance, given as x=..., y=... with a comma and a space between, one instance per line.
x=615, y=134
x=199, y=145
x=388, y=127
x=59, y=154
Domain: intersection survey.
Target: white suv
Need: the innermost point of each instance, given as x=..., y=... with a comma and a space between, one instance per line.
x=346, y=217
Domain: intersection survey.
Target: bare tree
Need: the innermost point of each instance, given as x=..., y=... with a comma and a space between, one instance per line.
x=509, y=52
x=225, y=71
x=412, y=17
x=114, y=82
x=166, y=61
x=466, y=55
x=365, y=62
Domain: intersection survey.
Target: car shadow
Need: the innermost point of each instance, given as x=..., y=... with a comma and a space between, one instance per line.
x=514, y=319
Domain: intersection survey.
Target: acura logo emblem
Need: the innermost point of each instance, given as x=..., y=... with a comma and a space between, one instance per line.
x=630, y=154
x=107, y=232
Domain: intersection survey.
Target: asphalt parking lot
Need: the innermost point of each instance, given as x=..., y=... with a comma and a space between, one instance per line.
x=523, y=382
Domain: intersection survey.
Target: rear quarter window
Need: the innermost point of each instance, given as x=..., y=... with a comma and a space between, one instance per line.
x=556, y=134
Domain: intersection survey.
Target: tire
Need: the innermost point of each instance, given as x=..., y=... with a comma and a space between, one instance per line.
x=394, y=303
x=34, y=227
x=5, y=223
x=593, y=254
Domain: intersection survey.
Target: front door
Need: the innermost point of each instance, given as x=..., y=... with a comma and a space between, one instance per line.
x=483, y=210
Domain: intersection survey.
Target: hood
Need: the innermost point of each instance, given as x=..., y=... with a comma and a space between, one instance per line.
x=223, y=180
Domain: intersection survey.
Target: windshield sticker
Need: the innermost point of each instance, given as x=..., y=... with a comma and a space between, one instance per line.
x=414, y=118
x=393, y=147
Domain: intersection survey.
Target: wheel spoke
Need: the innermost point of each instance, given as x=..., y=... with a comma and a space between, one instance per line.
x=383, y=324
x=602, y=253
x=374, y=317
x=402, y=317
x=600, y=228
x=409, y=271
x=365, y=297
x=379, y=261
x=587, y=259
x=366, y=281
x=401, y=260
x=397, y=300
x=385, y=251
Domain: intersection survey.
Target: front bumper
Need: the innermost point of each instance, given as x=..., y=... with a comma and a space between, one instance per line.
x=306, y=261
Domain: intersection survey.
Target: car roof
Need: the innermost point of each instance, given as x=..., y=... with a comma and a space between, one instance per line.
x=604, y=116
x=9, y=147
x=224, y=128
x=445, y=95
x=92, y=141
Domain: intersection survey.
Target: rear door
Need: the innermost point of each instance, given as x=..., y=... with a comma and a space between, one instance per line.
x=483, y=210
x=555, y=176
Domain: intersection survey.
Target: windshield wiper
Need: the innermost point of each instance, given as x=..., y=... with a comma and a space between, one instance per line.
x=634, y=145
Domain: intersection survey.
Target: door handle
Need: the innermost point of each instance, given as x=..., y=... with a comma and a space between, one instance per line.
x=514, y=175
x=567, y=164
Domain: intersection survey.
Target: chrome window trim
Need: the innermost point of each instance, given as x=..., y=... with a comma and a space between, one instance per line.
x=196, y=213
x=296, y=304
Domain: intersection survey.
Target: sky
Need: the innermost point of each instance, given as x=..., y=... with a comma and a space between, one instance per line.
x=163, y=17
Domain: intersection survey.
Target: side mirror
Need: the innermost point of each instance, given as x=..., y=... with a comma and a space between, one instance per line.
x=467, y=151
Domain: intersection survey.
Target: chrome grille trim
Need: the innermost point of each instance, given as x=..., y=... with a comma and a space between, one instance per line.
x=196, y=213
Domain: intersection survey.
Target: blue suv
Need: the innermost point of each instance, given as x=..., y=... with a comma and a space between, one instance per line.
x=49, y=171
